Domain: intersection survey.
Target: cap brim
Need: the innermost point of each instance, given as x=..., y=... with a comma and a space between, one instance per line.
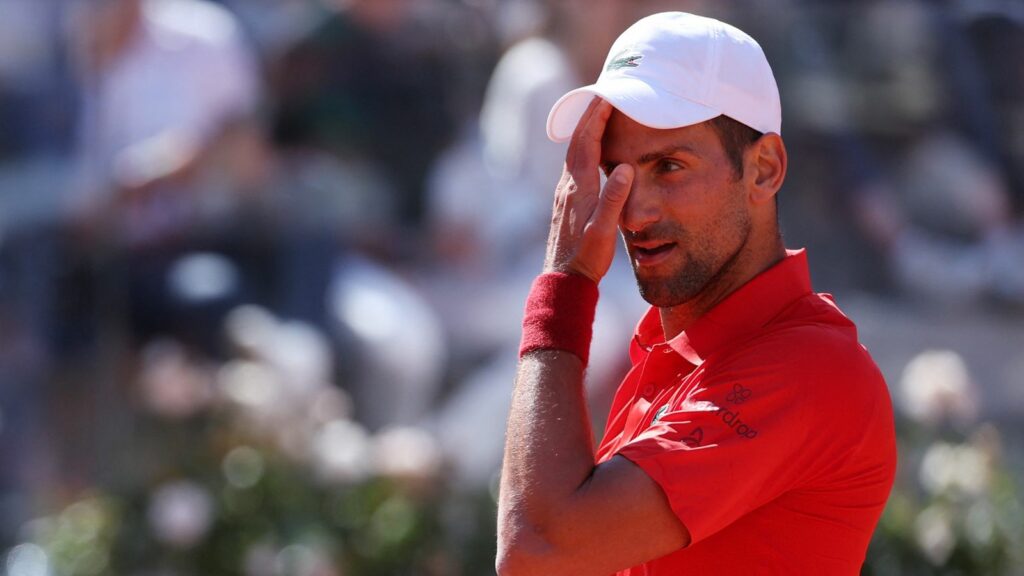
x=634, y=98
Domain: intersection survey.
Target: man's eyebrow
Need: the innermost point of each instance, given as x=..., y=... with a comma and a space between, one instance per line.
x=649, y=157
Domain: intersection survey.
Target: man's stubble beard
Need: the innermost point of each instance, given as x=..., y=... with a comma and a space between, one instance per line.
x=704, y=267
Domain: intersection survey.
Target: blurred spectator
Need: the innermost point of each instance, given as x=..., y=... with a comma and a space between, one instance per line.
x=170, y=89
x=957, y=241
x=996, y=34
x=370, y=84
x=162, y=81
x=900, y=128
x=938, y=206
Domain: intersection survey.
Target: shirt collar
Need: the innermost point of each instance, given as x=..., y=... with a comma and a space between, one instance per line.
x=747, y=309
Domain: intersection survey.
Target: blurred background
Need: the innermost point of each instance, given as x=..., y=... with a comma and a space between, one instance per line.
x=262, y=267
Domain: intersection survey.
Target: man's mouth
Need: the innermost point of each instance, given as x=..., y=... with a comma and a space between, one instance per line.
x=652, y=253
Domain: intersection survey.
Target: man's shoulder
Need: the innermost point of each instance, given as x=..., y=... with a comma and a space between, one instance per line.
x=815, y=332
x=811, y=366
x=810, y=324
x=813, y=347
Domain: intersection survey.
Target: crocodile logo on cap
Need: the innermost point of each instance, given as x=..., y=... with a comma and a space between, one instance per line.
x=627, y=58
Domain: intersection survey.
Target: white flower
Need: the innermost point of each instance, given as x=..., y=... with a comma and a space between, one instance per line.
x=331, y=404
x=250, y=328
x=341, y=451
x=287, y=367
x=934, y=534
x=962, y=468
x=407, y=452
x=180, y=513
x=251, y=386
x=299, y=353
x=302, y=356
x=27, y=560
x=936, y=386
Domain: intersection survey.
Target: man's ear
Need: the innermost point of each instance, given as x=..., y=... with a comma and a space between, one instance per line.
x=765, y=167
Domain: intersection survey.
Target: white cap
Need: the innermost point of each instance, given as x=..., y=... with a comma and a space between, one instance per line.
x=675, y=69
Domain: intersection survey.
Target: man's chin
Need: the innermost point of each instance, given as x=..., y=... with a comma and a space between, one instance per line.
x=658, y=293
x=667, y=291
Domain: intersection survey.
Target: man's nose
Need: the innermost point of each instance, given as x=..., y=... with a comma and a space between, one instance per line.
x=642, y=208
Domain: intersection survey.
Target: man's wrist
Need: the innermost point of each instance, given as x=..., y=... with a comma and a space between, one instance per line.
x=559, y=314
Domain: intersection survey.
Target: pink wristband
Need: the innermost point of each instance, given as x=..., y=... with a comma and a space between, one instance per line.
x=560, y=314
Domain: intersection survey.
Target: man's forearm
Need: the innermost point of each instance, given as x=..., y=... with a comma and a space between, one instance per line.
x=549, y=450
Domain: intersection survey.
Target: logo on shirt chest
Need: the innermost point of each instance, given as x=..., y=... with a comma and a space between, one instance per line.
x=694, y=438
x=739, y=394
x=732, y=420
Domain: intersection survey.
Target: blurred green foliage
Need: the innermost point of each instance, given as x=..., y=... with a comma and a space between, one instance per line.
x=955, y=509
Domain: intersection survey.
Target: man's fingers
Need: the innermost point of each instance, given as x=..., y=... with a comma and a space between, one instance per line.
x=585, y=119
x=585, y=217
x=613, y=198
x=585, y=146
x=592, y=130
x=574, y=141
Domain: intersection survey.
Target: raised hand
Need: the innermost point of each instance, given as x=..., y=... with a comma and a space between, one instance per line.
x=584, y=222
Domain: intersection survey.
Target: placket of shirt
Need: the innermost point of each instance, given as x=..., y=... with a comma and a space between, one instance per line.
x=661, y=371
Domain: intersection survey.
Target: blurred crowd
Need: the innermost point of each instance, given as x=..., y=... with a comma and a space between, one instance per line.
x=346, y=200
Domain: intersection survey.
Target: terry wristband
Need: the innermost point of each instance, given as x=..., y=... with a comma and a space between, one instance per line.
x=560, y=314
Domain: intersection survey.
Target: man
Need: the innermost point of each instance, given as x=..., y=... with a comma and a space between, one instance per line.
x=754, y=434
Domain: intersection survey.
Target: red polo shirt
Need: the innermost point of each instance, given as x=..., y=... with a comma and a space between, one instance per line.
x=768, y=427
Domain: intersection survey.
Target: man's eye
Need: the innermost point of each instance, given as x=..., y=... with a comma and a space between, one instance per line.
x=669, y=166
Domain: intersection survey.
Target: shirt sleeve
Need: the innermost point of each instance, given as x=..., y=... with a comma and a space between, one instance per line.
x=753, y=429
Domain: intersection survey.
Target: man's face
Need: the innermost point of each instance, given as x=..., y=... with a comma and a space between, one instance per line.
x=687, y=218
